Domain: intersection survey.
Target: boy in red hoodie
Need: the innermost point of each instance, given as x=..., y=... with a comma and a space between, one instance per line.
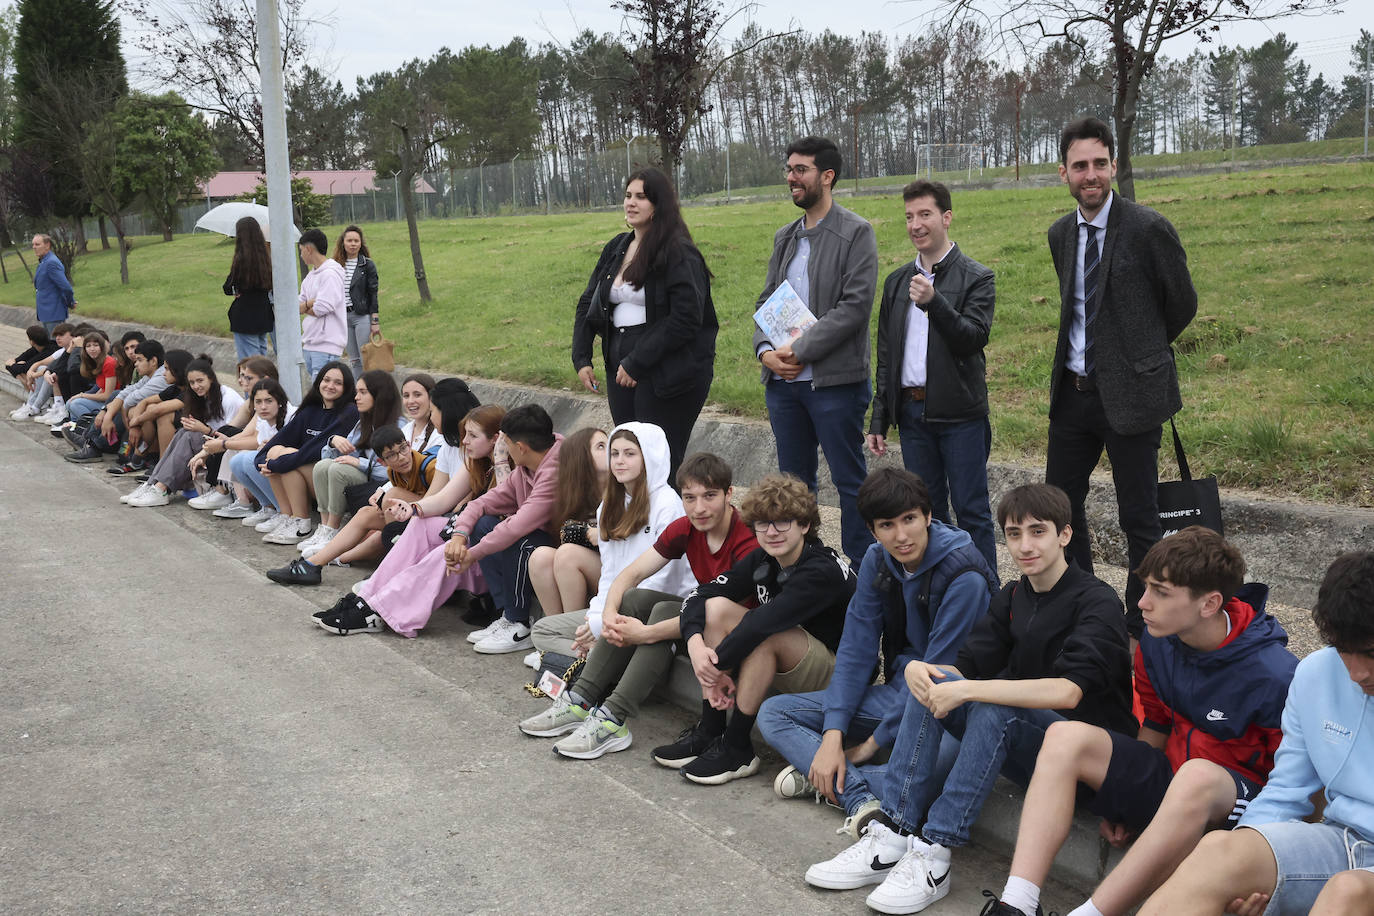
x=1212, y=672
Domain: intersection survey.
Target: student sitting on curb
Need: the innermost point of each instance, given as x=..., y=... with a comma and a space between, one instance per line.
x=1212, y=674
x=1276, y=862
x=920, y=590
x=786, y=643
x=640, y=626
x=1052, y=645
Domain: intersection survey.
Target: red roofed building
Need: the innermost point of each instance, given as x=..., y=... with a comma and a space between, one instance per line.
x=335, y=183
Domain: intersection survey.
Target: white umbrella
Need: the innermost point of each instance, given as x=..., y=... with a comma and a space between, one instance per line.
x=223, y=218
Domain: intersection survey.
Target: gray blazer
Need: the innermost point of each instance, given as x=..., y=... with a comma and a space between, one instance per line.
x=843, y=274
x=1145, y=300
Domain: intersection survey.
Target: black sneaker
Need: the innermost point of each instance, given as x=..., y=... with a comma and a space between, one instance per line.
x=87, y=454
x=129, y=466
x=688, y=746
x=298, y=572
x=356, y=617
x=144, y=477
x=481, y=611
x=995, y=907
x=344, y=599
x=722, y=762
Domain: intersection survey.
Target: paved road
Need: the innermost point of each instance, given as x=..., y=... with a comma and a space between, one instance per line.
x=177, y=738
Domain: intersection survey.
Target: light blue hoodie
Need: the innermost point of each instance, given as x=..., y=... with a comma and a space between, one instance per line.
x=1328, y=744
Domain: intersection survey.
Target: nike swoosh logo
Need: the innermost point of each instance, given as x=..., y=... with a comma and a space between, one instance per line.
x=936, y=882
x=879, y=865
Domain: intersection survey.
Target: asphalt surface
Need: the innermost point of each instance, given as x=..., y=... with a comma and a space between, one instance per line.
x=178, y=737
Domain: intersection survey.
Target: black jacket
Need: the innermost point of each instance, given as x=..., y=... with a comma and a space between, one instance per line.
x=960, y=320
x=362, y=292
x=1076, y=631
x=813, y=594
x=251, y=310
x=677, y=351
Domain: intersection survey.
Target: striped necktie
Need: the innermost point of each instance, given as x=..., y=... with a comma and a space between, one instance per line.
x=1090, y=264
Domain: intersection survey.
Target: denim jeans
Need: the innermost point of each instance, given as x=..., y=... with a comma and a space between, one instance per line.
x=803, y=418
x=315, y=360
x=992, y=740
x=83, y=407
x=952, y=458
x=507, y=572
x=791, y=723
x=249, y=345
x=359, y=332
x=246, y=472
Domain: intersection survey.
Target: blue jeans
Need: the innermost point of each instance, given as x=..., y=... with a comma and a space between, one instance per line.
x=952, y=458
x=82, y=407
x=992, y=739
x=791, y=723
x=247, y=473
x=249, y=345
x=803, y=418
x=359, y=333
x=507, y=572
x=315, y=360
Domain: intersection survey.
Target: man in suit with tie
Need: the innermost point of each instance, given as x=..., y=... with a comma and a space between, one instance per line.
x=1125, y=295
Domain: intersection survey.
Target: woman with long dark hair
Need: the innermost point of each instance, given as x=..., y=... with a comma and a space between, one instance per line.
x=650, y=300
x=360, y=288
x=250, y=283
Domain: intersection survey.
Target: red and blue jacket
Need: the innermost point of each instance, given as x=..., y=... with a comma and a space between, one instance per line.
x=1225, y=705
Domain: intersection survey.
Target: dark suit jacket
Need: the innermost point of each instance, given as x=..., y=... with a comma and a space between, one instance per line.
x=1145, y=300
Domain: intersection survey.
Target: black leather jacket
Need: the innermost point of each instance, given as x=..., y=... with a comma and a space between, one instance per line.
x=678, y=348
x=362, y=292
x=960, y=319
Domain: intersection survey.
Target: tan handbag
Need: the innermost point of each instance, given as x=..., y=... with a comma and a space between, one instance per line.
x=377, y=354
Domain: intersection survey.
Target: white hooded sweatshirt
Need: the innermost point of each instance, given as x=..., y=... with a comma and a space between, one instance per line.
x=665, y=507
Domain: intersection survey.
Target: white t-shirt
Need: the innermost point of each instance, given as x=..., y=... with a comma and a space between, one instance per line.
x=232, y=401
x=451, y=460
x=415, y=435
x=267, y=430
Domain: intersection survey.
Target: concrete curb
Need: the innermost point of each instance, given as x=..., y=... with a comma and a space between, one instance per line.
x=1286, y=544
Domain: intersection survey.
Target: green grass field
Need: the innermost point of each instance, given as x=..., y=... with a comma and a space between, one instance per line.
x=1278, y=369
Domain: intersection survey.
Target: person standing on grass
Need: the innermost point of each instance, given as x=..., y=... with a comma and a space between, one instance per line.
x=931, y=380
x=324, y=326
x=54, y=297
x=1125, y=296
x=250, y=283
x=658, y=325
x=360, y=291
x=816, y=386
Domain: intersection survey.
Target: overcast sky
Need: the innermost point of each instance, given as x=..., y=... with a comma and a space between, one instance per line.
x=368, y=37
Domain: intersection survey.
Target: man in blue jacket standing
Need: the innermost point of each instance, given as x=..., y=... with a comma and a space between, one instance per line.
x=53, y=292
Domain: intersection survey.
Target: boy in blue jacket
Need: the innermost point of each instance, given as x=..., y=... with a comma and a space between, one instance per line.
x=1283, y=864
x=920, y=589
x=1052, y=646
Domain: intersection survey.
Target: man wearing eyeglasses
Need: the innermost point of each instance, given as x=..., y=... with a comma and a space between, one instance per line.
x=817, y=385
x=786, y=643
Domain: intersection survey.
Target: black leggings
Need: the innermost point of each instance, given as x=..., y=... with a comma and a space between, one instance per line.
x=675, y=416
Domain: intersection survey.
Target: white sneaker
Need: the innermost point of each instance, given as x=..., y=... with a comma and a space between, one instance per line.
x=234, y=510
x=866, y=862
x=918, y=880
x=317, y=540
x=258, y=517
x=506, y=636
x=477, y=636
x=531, y=660
x=136, y=491
x=150, y=497
x=269, y=524
x=52, y=416
x=288, y=532
x=23, y=412
x=211, y=499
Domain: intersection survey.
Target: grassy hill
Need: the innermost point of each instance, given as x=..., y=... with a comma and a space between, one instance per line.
x=1277, y=371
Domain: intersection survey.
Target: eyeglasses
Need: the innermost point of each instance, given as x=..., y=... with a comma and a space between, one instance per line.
x=392, y=454
x=781, y=527
x=801, y=171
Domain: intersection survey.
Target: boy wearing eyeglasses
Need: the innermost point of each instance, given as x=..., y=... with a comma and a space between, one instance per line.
x=787, y=642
